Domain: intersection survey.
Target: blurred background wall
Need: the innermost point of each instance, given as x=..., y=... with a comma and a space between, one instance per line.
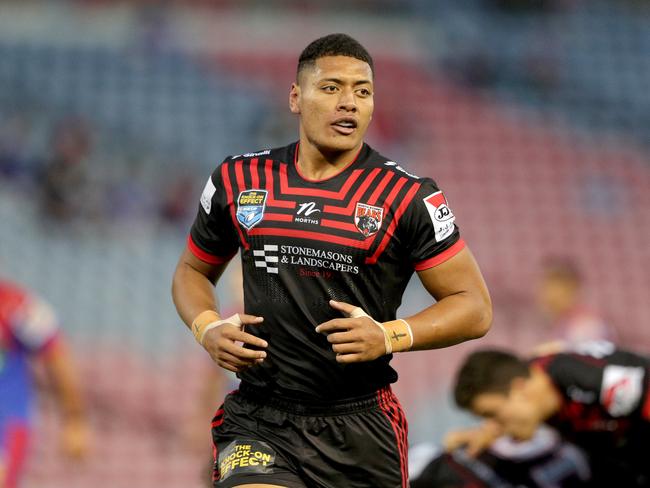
x=533, y=116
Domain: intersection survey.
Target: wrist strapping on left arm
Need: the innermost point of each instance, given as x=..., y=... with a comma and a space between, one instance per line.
x=400, y=335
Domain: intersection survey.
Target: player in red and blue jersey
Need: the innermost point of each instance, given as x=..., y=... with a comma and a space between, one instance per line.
x=330, y=232
x=29, y=332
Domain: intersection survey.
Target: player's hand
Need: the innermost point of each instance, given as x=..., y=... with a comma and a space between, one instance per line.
x=356, y=338
x=225, y=344
x=475, y=439
x=76, y=439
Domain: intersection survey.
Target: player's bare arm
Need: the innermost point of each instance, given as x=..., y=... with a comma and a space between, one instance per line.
x=462, y=311
x=224, y=339
x=474, y=439
x=75, y=433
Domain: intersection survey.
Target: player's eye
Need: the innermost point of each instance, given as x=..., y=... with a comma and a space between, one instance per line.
x=364, y=92
x=330, y=88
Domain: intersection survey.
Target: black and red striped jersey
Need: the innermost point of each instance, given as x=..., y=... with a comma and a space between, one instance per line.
x=356, y=237
x=605, y=408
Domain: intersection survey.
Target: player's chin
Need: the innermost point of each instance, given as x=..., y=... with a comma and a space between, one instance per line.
x=341, y=143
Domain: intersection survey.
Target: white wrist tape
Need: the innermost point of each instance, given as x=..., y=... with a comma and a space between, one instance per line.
x=410, y=332
x=233, y=320
x=359, y=312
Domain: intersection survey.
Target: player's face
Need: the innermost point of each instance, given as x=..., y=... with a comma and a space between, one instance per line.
x=334, y=99
x=515, y=413
x=556, y=295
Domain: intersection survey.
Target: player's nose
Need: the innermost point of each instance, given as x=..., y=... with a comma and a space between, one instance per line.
x=347, y=102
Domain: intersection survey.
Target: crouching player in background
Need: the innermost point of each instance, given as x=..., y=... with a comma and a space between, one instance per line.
x=595, y=395
x=29, y=331
x=544, y=461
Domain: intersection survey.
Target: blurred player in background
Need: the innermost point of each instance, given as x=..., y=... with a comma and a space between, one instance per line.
x=330, y=233
x=569, y=322
x=596, y=396
x=29, y=333
x=560, y=298
x=545, y=461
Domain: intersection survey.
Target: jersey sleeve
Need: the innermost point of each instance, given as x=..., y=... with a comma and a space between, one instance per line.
x=213, y=238
x=35, y=325
x=598, y=373
x=429, y=228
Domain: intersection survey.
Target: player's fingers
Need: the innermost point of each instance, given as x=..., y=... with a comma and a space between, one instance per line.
x=454, y=440
x=334, y=325
x=347, y=309
x=245, y=337
x=351, y=358
x=241, y=352
x=473, y=449
x=342, y=337
x=247, y=319
x=236, y=361
x=228, y=366
x=477, y=445
x=349, y=348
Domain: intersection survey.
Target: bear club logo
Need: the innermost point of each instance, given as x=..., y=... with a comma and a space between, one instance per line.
x=368, y=218
x=250, y=207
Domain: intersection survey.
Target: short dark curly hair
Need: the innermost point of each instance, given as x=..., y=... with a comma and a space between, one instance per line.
x=333, y=45
x=487, y=371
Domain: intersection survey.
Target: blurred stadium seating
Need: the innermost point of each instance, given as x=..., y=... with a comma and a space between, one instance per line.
x=535, y=122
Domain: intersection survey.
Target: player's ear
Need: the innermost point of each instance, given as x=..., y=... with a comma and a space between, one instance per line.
x=294, y=98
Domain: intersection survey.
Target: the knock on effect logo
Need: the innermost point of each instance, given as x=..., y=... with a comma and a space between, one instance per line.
x=243, y=456
x=250, y=207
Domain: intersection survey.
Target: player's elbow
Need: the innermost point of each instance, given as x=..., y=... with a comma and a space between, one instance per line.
x=484, y=324
x=481, y=318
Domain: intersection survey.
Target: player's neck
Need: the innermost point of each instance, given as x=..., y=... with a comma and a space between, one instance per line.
x=314, y=164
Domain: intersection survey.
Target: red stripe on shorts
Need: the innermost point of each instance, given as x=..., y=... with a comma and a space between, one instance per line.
x=393, y=410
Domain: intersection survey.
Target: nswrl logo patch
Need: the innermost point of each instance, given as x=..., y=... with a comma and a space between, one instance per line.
x=244, y=457
x=250, y=207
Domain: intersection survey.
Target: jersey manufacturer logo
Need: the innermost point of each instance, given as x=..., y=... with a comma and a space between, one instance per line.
x=252, y=154
x=368, y=219
x=393, y=164
x=250, y=207
x=307, y=213
x=441, y=215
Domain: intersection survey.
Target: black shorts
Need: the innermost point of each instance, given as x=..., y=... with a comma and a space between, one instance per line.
x=357, y=444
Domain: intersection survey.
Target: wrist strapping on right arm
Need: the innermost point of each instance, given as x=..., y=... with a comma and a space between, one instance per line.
x=209, y=320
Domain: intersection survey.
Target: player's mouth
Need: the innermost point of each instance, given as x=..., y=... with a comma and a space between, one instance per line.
x=345, y=125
